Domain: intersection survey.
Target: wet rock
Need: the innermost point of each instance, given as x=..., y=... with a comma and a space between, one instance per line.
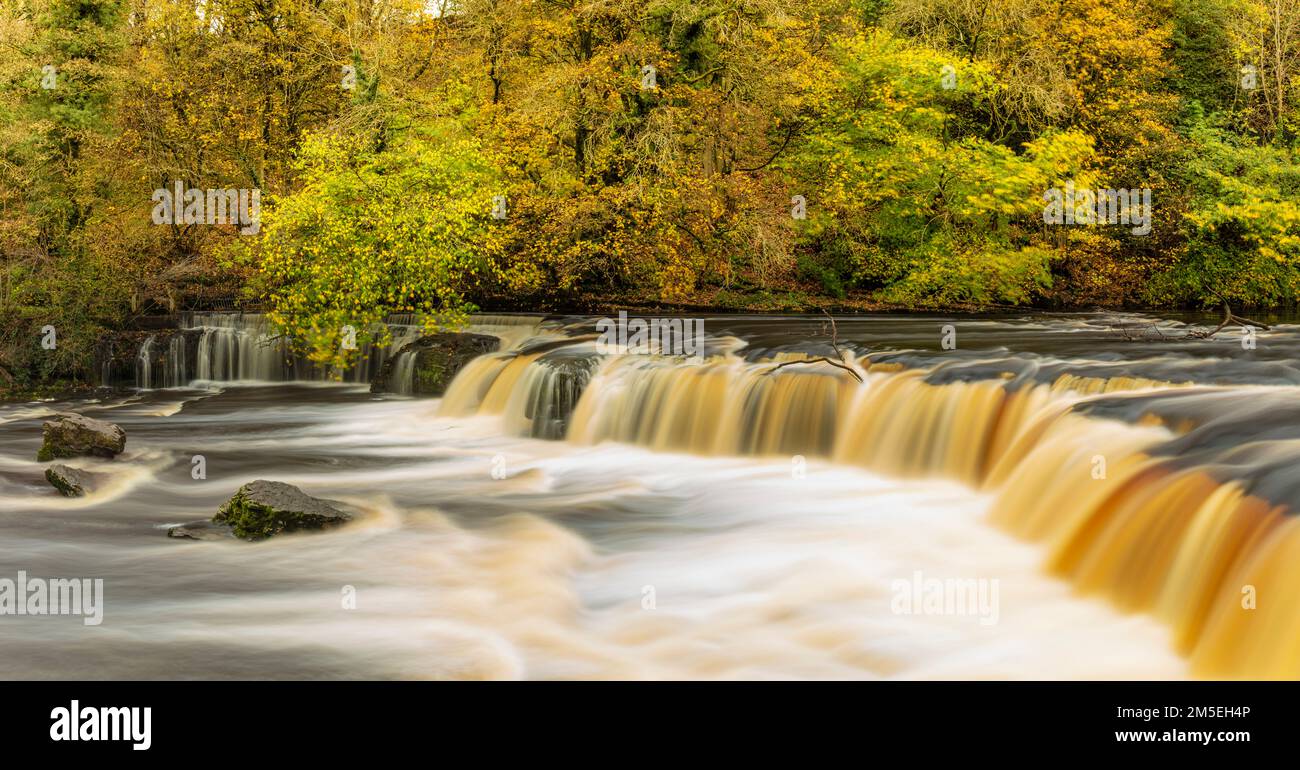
x=71, y=435
x=172, y=359
x=261, y=509
x=202, y=530
x=426, y=366
x=72, y=482
x=563, y=376
x=117, y=357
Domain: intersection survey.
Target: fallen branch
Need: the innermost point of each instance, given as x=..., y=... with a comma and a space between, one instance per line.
x=1125, y=329
x=1229, y=317
x=835, y=345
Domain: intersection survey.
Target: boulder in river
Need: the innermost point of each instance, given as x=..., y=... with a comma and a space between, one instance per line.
x=201, y=530
x=71, y=482
x=425, y=367
x=261, y=509
x=71, y=435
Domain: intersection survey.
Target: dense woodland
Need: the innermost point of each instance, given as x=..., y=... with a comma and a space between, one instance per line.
x=569, y=154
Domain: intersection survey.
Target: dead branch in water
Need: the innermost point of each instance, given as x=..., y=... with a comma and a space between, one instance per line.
x=835, y=345
x=1229, y=317
x=1136, y=332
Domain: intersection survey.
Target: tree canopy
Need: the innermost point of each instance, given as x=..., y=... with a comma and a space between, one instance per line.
x=433, y=157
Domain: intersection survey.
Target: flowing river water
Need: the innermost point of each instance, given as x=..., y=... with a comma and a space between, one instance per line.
x=1125, y=499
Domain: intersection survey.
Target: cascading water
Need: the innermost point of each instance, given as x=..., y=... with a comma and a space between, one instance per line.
x=238, y=346
x=1176, y=536
x=160, y=367
x=243, y=347
x=144, y=364
x=403, y=374
x=176, y=375
x=769, y=509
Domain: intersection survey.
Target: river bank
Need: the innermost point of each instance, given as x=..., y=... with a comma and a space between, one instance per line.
x=117, y=350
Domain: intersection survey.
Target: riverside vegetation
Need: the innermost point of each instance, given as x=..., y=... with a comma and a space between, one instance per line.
x=434, y=157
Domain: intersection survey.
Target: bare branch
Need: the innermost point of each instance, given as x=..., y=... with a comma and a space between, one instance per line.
x=822, y=359
x=835, y=345
x=1229, y=317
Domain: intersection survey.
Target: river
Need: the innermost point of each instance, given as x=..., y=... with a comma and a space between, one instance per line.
x=1117, y=494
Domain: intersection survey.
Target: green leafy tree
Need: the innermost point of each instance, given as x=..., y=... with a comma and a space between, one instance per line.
x=370, y=232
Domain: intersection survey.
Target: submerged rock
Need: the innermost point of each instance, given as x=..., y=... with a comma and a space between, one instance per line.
x=71, y=435
x=261, y=509
x=425, y=367
x=71, y=482
x=202, y=530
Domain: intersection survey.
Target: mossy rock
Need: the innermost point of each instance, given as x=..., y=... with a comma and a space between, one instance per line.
x=431, y=363
x=262, y=509
x=71, y=435
x=71, y=482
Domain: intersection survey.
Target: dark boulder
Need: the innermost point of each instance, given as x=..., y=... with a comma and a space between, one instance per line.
x=564, y=375
x=425, y=367
x=72, y=482
x=261, y=509
x=71, y=435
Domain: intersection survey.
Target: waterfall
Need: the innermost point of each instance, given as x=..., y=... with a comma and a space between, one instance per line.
x=245, y=347
x=722, y=406
x=1141, y=491
x=403, y=379
x=176, y=375
x=1167, y=498
x=404, y=329
x=239, y=346
x=536, y=392
x=548, y=392
x=144, y=364
x=469, y=390
x=1190, y=539
x=159, y=363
